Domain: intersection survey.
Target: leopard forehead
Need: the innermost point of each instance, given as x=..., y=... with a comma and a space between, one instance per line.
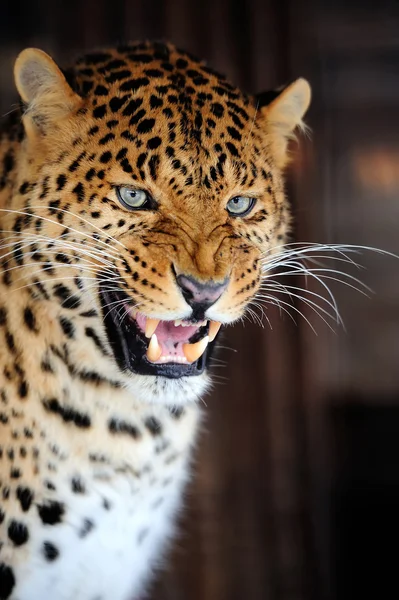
x=152, y=112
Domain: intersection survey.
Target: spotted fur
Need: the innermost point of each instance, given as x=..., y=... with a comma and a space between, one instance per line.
x=93, y=459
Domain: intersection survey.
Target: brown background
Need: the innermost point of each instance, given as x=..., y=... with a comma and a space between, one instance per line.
x=296, y=487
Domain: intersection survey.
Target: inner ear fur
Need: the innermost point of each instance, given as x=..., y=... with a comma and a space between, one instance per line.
x=281, y=112
x=44, y=90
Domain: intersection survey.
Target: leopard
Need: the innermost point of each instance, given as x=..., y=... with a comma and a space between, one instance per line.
x=139, y=190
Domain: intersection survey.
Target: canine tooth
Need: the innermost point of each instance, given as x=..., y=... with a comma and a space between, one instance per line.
x=214, y=327
x=150, y=326
x=154, y=350
x=192, y=352
x=177, y=322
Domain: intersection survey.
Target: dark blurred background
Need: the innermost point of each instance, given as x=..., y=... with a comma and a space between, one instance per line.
x=296, y=487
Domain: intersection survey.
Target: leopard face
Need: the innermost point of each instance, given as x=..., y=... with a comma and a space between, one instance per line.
x=147, y=190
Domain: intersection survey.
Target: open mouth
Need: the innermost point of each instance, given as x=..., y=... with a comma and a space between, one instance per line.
x=150, y=346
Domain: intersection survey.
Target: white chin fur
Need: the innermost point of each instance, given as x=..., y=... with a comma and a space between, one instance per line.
x=170, y=392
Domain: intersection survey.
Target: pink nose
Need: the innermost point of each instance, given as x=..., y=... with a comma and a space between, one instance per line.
x=199, y=294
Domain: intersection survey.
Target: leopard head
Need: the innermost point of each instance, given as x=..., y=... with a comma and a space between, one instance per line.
x=160, y=185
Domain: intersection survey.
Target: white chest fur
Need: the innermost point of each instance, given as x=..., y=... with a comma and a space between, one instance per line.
x=114, y=529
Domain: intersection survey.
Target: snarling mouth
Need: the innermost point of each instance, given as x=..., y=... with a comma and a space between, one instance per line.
x=150, y=346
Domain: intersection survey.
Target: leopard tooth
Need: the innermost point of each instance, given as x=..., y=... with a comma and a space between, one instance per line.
x=150, y=326
x=192, y=352
x=154, y=350
x=214, y=327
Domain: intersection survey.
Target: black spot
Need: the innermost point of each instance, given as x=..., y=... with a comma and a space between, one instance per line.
x=23, y=389
x=141, y=160
x=7, y=581
x=153, y=164
x=25, y=497
x=116, y=103
x=217, y=109
x=232, y=148
x=104, y=140
x=79, y=191
x=153, y=425
x=18, y=532
x=121, y=154
x=29, y=318
x=61, y=181
x=67, y=413
x=77, y=486
x=106, y=504
x=93, y=130
x=15, y=473
x=105, y=157
x=101, y=91
x=126, y=166
x=67, y=327
x=66, y=297
x=75, y=164
x=62, y=258
x=51, y=513
x=156, y=102
x=87, y=526
x=118, y=426
x=146, y=125
x=154, y=143
x=234, y=133
x=46, y=366
x=176, y=412
x=100, y=111
x=10, y=342
x=89, y=313
x=3, y=316
x=24, y=187
x=50, y=551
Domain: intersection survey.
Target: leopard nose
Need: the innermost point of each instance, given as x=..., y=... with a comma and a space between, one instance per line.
x=200, y=294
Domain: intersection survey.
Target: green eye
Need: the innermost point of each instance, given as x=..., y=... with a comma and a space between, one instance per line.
x=135, y=199
x=239, y=206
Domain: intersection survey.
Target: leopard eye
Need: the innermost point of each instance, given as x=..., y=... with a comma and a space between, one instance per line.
x=240, y=206
x=135, y=199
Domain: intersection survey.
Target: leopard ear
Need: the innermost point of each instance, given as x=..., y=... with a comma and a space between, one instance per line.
x=44, y=89
x=281, y=112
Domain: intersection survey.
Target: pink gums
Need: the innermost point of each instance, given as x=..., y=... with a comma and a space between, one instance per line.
x=170, y=337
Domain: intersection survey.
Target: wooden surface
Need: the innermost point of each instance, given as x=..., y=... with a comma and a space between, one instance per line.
x=273, y=454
